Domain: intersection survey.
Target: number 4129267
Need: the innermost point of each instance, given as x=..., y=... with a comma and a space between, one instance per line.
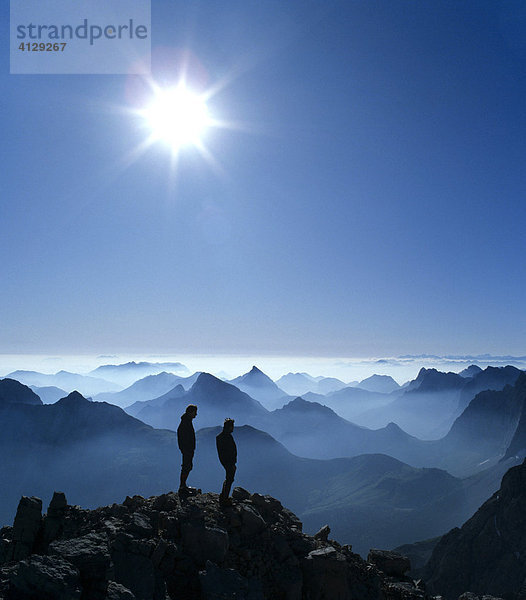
x=42, y=46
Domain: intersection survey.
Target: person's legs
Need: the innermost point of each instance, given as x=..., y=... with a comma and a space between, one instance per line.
x=186, y=467
x=230, y=471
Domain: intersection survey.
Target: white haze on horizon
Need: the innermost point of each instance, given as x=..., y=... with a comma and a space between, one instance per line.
x=401, y=369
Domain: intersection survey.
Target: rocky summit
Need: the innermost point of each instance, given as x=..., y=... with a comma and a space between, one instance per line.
x=487, y=555
x=170, y=547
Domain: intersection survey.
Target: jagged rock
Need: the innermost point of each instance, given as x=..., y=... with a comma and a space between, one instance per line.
x=89, y=553
x=166, y=548
x=45, y=578
x=224, y=584
x=471, y=596
x=325, y=573
x=401, y=590
x=323, y=533
x=26, y=526
x=240, y=493
x=487, y=555
x=251, y=521
x=205, y=543
x=116, y=591
x=391, y=563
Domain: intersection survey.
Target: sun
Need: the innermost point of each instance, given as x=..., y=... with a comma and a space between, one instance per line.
x=177, y=116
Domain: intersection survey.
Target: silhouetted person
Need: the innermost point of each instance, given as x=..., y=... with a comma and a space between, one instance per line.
x=186, y=442
x=227, y=452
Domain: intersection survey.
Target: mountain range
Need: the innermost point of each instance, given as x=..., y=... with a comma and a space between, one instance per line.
x=67, y=381
x=120, y=455
x=127, y=373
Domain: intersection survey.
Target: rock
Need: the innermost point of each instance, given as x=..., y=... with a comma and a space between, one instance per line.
x=487, y=554
x=140, y=525
x=391, y=563
x=205, y=543
x=133, y=566
x=54, y=519
x=323, y=533
x=57, y=506
x=325, y=574
x=251, y=521
x=401, y=590
x=46, y=578
x=222, y=584
x=116, y=591
x=468, y=596
x=164, y=548
x=240, y=493
x=26, y=526
x=89, y=553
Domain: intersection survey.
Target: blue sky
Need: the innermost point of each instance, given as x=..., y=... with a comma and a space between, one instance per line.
x=372, y=204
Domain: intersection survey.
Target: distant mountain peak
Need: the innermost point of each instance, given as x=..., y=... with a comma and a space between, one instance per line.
x=12, y=391
x=74, y=398
x=208, y=382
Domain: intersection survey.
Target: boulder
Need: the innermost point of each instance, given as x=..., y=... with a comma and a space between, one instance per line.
x=116, y=591
x=205, y=543
x=46, y=578
x=325, y=574
x=26, y=526
x=223, y=584
x=251, y=521
x=323, y=533
x=391, y=563
x=240, y=493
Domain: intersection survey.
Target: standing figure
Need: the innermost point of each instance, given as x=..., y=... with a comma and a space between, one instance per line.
x=186, y=442
x=227, y=452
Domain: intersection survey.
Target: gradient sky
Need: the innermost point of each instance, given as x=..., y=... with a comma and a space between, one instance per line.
x=372, y=203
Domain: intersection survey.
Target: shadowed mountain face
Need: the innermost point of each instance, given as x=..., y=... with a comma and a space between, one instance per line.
x=216, y=400
x=315, y=431
x=93, y=450
x=49, y=394
x=259, y=386
x=352, y=403
x=12, y=391
x=486, y=427
x=470, y=371
x=148, y=388
x=66, y=381
x=429, y=404
x=126, y=374
x=517, y=445
x=485, y=556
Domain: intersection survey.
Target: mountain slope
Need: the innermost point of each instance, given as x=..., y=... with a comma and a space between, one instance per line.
x=298, y=384
x=215, y=399
x=315, y=431
x=12, y=391
x=261, y=387
x=147, y=388
x=87, y=385
x=428, y=405
x=383, y=384
x=127, y=373
x=487, y=554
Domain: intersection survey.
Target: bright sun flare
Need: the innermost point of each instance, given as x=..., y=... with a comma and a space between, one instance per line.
x=178, y=117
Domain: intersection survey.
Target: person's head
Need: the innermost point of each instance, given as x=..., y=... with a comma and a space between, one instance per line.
x=191, y=411
x=228, y=425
